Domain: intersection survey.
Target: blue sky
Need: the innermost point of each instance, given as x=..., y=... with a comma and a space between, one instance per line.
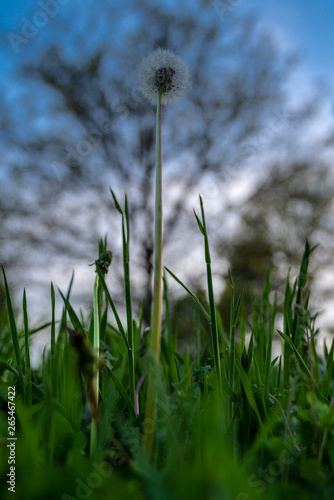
x=11, y=13
x=303, y=25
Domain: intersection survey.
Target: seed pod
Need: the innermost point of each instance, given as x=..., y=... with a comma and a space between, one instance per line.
x=103, y=262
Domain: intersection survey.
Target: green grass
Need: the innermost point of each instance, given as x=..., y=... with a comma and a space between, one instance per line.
x=232, y=422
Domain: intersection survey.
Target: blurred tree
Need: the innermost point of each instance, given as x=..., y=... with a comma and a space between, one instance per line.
x=292, y=203
x=89, y=127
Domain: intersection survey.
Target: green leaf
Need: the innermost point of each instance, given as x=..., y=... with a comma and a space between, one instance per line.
x=28, y=391
x=237, y=308
x=302, y=276
x=228, y=390
x=14, y=333
x=304, y=368
x=203, y=370
x=300, y=360
x=200, y=225
x=73, y=317
x=273, y=362
x=123, y=393
x=201, y=307
x=117, y=205
x=329, y=371
x=230, y=278
x=112, y=305
x=247, y=388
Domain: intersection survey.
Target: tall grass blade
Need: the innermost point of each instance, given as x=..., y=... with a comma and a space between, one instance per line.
x=196, y=300
x=246, y=384
x=53, y=360
x=301, y=282
x=113, y=308
x=77, y=325
x=15, y=337
x=95, y=381
x=267, y=368
x=212, y=305
x=128, y=303
x=28, y=388
x=123, y=393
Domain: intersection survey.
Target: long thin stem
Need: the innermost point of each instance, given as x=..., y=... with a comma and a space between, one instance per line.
x=96, y=305
x=129, y=340
x=213, y=316
x=126, y=263
x=155, y=341
x=28, y=386
x=157, y=289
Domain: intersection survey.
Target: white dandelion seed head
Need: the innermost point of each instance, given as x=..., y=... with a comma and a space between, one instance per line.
x=162, y=70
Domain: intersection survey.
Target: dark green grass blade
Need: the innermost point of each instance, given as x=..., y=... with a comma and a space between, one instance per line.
x=117, y=205
x=123, y=393
x=53, y=360
x=301, y=282
x=168, y=329
x=40, y=328
x=268, y=365
x=302, y=276
x=212, y=306
x=112, y=305
x=245, y=381
x=329, y=376
x=288, y=326
x=36, y=389
x=28, y=389
x=77, y=325
x=234, y=311
x=278, y=378
x=128, y=301
x=200, y=306
x=260, y=385
x=14, y=333
x=302, y=365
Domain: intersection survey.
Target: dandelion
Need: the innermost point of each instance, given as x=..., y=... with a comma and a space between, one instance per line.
x=163, y=78
x=163, y=71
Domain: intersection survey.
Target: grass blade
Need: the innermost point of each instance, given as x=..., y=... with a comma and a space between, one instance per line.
x=28, y=388
x=14, y=333
x=200, y=306
x=123, y=393
x=112, y=305
x=246, y=384
x=73, y=317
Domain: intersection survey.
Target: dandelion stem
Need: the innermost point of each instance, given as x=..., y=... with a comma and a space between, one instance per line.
x=155, y=341
x=157, y=290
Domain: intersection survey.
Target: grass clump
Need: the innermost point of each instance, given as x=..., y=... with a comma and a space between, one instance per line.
x=231, y=422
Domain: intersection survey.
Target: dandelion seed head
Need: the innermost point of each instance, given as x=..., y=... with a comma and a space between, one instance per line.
x=162, y=70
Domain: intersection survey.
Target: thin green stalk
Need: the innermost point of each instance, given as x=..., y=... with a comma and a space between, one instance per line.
x=96, y=344
x=155, y=341
x=14, y=333
x=28, y=388
x=268, y=365
x=126, y=263
x=168, y=330
x=301, y=282
x=127, y=286
x=53, y=360
x=198, y=338
x=157, y=289
x=232, y=344
x=213, y=316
